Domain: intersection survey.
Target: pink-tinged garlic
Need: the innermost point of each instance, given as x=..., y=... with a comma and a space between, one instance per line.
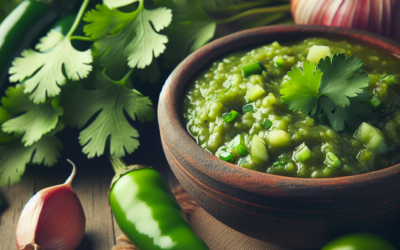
x=53, y=219
x=377, y=16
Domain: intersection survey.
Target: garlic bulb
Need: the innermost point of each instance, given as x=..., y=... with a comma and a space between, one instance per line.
x=53, y=219
x=377, y=16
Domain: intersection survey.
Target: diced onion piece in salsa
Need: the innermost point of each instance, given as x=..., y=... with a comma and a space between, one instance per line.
x=255, y=93
x=317, y=52
x=279, y=139
x=258, y=150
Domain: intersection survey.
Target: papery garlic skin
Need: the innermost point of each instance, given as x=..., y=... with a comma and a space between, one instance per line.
x=53, y=219
x=378, y=16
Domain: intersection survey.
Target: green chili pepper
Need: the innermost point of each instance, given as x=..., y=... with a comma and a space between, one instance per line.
x=252, y=68
x=147, y=212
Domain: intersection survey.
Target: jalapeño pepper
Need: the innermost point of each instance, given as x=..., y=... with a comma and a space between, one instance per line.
x=147, y=212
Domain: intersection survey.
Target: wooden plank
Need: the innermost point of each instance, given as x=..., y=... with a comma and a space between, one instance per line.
x=93, y=193
x=15, y=198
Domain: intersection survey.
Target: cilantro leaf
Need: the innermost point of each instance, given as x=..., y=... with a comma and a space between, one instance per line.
x=30, y=120
x=300, y=92
x=50, y=41
x=118, y=3
x=107, y=102
x=132, y=38
x=349, y=116
x=44, y=71
x=103, y=21
x=14, y=156
x=4, y=116
x=342, y=78
x=146, y=41
x=190, y=29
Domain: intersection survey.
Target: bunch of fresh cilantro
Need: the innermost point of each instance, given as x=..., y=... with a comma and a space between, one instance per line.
x=333, y=91
x=59, y=86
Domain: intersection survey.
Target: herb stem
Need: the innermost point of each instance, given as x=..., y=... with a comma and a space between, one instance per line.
x=117, y=163
x=273, y=9
x=82, y=38
x=78, y=18
x=243, y=6
x=125, y=78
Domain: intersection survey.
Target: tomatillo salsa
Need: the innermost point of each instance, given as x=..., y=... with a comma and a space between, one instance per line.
x=316, y=108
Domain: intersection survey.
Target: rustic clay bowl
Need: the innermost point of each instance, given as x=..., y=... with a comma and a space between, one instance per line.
x=284, y=210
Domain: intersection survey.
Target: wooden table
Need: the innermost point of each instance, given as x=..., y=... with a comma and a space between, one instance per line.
x=90, y=184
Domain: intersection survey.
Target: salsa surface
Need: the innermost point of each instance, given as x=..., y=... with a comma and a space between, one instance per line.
x=221, y=88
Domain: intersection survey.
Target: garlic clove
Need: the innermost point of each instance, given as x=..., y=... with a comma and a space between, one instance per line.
x=52, y=219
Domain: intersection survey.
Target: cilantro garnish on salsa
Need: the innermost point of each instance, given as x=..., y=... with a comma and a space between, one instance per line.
x=334, y=89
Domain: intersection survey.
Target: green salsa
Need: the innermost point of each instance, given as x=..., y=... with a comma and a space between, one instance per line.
x=233, y=109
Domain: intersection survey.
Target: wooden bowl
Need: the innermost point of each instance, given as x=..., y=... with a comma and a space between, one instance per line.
x=289, y=211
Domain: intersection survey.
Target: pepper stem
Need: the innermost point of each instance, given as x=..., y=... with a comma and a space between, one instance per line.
x=120, y=167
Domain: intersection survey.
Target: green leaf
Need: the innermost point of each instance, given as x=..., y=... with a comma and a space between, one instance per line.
x=190, y=29
x=50, y=41
x=103, y=21
x=14, y=156
x=118, y=3
x=30, y=120
x=44, y=71
x=132, y=38
x=4, y=116
x=342, y=78
x=146, y=41
x=300, y=92
x=107, y=103
x=349, y=116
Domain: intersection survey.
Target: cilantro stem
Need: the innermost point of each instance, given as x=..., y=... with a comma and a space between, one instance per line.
x=243, y=6
x=82, y=38
x=78, y=18
x=273, y=9
x=123, y=80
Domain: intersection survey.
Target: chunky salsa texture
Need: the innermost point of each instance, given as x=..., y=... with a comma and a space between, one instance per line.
x=234, y=110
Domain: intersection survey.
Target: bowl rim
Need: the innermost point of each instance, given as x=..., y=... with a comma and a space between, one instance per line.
x=174, y=132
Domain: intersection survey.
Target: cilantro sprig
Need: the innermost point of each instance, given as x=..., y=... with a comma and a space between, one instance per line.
x=30, y=120
x=107, y=100
x=43, y=70
x=335, y=88
x=133, y=40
